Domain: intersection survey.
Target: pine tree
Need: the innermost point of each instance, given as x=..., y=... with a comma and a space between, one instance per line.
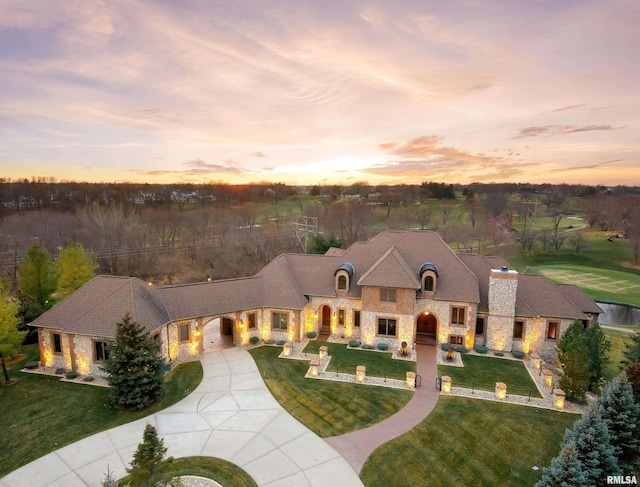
x=10, y=337
x=598, y=353
x=593, y=447
x=621, y=413
x=633, y=376
x=565, y=470
x=148, y=457
x=109, y=479
x=134, y=367
x=75, y=268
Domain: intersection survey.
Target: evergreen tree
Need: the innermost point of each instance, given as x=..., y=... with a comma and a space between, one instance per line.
x=134, y=367
x=593, y=447
x=632, y=350
x=38, y=277
x=319, y=245
x=75, y=268
x=598, y=353
x=149, y=456
x=573, y=357
x=109, y=479
x=621, y=413
x=10, y=337
x=565, y=470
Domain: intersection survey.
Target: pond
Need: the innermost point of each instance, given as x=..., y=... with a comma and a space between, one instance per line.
x=619, y=314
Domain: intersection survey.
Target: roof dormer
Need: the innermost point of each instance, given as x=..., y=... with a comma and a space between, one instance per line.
x=343, y=276
x=428, y=277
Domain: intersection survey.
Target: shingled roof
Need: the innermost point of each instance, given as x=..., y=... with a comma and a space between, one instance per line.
x=96, y=307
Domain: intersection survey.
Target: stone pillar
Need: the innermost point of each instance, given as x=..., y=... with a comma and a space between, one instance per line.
x=548, y=377
x=536, y=360
x=503, y=285
x=446, y=384
x=411, y=380
x=361, y=373
x=323, y=353
x=313, y=369
x=501, y=390
x=286, y=350
x=558, y=398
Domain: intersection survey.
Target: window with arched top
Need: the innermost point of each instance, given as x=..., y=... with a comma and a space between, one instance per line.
x=342, y=282
x=428, y=283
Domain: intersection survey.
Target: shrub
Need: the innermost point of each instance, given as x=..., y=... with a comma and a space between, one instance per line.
x=312, y=334
x=254, y=339
x=481, y=349
x=88, y=378
x=166, y=367
x=270, y=341
x=383, y=346
x=71, y=375
x=517, y=354
x=499, y=354
x=60, y=370
x=368, y=347
x=281, y=342
x=354, y=343
x=461, y=350
x=446, y=346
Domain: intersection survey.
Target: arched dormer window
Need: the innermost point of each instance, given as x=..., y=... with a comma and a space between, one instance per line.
x=429, y=283
x=342, y=282
x=428, y=277
x=343, y=276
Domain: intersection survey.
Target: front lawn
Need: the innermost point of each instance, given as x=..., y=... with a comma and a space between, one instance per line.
x=618, y=340
x=41, y=414
x=483, y=373
x=470, y=442
x=327, y=408
x=379, y=364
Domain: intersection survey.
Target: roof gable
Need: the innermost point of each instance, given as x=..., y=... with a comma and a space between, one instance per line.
x=391, y=270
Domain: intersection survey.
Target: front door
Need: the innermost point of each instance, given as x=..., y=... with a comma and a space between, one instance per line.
x=325, y=329
x=426, y=329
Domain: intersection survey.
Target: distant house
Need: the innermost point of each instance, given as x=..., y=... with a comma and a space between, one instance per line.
x=399, y=286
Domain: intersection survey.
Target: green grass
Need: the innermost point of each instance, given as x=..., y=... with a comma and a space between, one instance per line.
x=618, y=340
x=327, y=408
x=41, y=414
x=379, y=364
x=483, y=373
x=470, y=442
x=223, y=472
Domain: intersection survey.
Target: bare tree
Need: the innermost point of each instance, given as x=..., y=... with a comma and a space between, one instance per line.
x=579, y=242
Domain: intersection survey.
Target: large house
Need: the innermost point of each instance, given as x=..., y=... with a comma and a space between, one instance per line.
x=399, y=286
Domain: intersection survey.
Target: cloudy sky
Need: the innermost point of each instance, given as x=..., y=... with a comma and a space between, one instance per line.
x=321, y=91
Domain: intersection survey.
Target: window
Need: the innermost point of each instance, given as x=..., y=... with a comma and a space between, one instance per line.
x=57, y=343
x=387, y=326
x=184, y=331
x=428, y=283
x=552, y=330
x=280, y=321
x=518, y=330
x=101, y=351
x=342, y=282
x=356, y=317
x=457, y=316
x=341, y=317
x=251, y=320
x=456, y=339
x=387, y=295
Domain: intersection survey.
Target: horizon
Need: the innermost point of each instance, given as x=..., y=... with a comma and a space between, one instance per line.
x=176, y=92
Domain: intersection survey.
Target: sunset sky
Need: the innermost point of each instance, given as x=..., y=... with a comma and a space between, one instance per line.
x=321, y=91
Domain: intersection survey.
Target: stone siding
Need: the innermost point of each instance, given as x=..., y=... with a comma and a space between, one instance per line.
x=502, y=304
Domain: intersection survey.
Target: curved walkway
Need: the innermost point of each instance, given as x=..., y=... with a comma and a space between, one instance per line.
x=357, y=446
x=230, y=415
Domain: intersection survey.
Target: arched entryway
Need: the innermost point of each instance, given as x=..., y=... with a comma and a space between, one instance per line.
x=426, y=329
x=217, y=334
x=325, y=321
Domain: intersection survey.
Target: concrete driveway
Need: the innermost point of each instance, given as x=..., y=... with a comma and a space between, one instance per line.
x=231, y=415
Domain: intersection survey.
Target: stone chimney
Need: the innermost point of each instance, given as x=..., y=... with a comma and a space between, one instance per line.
x=503, y=285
